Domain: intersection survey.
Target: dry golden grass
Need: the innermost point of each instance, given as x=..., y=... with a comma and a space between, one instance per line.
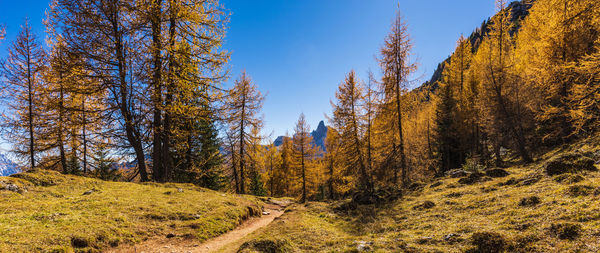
x=54, y=214
x=459, y=212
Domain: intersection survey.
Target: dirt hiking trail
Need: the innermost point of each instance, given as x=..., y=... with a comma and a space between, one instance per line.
x=229, y=240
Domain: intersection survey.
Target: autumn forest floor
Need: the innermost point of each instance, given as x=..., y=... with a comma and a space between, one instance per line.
x=526, y=211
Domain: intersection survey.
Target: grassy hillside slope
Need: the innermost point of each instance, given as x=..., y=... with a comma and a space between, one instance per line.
x=47, y=211
x=526, y=211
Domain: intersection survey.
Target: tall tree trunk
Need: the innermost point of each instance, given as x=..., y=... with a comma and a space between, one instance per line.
x=84, y=134
x=395, y=172
x=30, y=105
x=61, y=144
x=235, y=173
x=331, y=190
x=157, y=146
x=366, y=180
x=400, y=135
x=167, y=159
x=271, y=171
x=506, y=115
x=520, y=139
x=369, y=146
x=303, y=200
x=242, y=121
x=188, y=154
x=133, y=134
x=496, y=146
x=429, y=149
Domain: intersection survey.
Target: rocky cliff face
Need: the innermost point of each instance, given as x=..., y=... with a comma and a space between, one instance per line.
x=278, y=141
x=318, y=136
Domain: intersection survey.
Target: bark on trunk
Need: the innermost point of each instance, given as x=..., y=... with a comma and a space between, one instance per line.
x=157, y=145
x=132, y=133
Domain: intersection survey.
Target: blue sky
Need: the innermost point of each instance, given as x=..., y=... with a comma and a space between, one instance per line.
x=297, y=52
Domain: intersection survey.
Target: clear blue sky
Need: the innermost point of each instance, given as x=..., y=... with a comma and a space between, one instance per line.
x=297, y=52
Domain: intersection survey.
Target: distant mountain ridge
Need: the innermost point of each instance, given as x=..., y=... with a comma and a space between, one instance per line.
x=318, y=135
x=7, y=166
x=518, y=11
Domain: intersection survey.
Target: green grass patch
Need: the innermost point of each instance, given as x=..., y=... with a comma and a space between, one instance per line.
x=64, y=213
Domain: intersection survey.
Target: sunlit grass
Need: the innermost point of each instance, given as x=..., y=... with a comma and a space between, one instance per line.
x=459, y=211
x=54, y=213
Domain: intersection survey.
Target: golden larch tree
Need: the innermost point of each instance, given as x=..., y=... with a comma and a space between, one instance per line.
x=396, y=66
x=243, y=105
x=23, y=70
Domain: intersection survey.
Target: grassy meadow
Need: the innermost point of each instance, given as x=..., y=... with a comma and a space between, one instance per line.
x=526, y=211
x=50, y=212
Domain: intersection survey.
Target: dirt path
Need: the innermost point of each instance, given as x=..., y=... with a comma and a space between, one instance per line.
x=232, y=239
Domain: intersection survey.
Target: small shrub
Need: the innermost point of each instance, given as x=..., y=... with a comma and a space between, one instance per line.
x=569, y=163
x=79, y=242
x=488, y=190
x=568, y=178
x=266, y=246
x=425, y=205
x=454, y=195
x=529, y=201
x=579, y=190
x=380, y=195
x=565, y=231
x=473, y=178
x=436, y=184
x=415, y=186
x=342, y=206
x=530, y=181
x=510, y=181
x=524, y=243
x=153, y=216
x=472, y=165
x=523, y=226
x=426, y=240
x=496, y=173
x=489, y=242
